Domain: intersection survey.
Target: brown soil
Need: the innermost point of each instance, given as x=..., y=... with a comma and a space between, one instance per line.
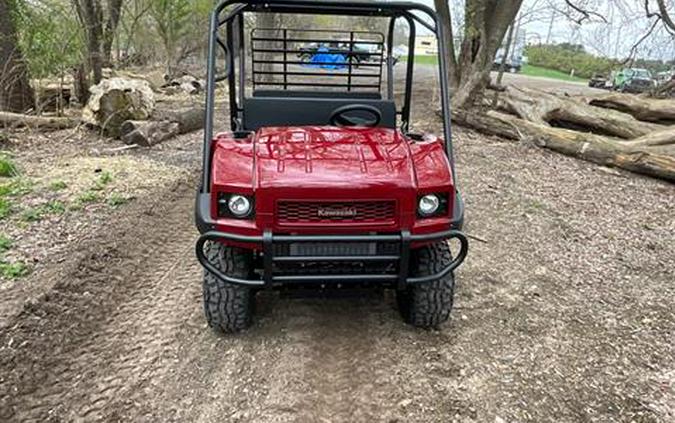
x=564, y=314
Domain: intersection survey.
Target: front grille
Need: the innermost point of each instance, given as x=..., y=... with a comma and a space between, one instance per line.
x=316, y=212
x=336, y=248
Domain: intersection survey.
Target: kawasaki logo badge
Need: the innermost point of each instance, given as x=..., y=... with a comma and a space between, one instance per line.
x=336, y=212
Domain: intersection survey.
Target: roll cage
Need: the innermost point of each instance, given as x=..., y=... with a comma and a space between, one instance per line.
x=230, y=14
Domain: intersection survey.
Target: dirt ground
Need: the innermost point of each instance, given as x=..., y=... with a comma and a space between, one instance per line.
x=563, y=314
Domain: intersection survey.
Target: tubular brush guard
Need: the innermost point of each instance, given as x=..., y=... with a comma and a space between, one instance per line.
x=268, y=240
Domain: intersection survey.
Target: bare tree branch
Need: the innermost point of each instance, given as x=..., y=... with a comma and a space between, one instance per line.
x=633, y=50
x=586, y=14
x=665, y=16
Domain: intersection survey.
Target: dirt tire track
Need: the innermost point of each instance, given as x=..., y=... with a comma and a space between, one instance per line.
x=111, y=319
x=576, y=328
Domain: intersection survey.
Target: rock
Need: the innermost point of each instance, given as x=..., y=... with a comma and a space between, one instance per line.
x=117, y=100
x=186, y=83
x=405, y=403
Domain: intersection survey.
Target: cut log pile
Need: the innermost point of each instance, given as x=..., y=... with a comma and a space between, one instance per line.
x=122, y=108
x=619, y=130
x=147, y=133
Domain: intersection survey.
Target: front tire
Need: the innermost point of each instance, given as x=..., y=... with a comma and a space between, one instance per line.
x=228, y=307
x=428, y=305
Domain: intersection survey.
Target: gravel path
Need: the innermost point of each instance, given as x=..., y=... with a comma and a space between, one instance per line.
x=565, y=314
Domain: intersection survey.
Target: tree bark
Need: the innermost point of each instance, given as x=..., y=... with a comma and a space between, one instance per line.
x=148, y=133
x=649, y=110
x=485, y=27
x=16, y=93
x=114, y=14
x=169, y=125
x=545, y=108
x=99, y=32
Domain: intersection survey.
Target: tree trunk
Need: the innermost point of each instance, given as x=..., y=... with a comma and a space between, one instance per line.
x=267, y=21
x=99, y=32
x=114, y=14
x=81, y=84
x=486, y=22
x=16, y=94
x=91, y=18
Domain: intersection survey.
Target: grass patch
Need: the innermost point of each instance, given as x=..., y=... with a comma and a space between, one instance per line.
x=7, y=167
x=5, y=208
x=13, y=270
x=102, y=181
x=5, y=243
x=116, y=200
x=88, y=197
x=37, y=213
x=58, y=186
x=16, y=188
x=32, y=215
x=530, y=70
x=422, y=59
x=54, y=207
x=527, y=70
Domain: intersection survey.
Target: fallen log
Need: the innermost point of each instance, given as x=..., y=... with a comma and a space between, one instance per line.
x=587, y=146
x=189, y=119
x=641, y=108
x=566, y=112
x=659, y=141
x=15, y=120
x=148, y=133
x=171, y=124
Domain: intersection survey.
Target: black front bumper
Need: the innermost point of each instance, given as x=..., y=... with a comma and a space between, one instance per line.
x=269, y=241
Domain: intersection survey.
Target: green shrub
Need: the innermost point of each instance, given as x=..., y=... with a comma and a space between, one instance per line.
x=565, y=58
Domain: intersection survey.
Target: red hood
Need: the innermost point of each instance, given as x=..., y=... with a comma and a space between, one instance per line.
x=329, y=157
x=329, y=164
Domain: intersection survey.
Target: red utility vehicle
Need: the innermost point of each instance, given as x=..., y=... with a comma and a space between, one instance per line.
x=320, y=182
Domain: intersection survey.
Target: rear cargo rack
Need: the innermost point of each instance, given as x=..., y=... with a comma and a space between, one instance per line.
x=290, y=58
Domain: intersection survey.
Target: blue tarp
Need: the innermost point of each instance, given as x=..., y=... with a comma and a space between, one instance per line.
x=324, y=60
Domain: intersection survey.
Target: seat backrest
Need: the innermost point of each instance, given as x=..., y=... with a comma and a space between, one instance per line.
x=302, y=111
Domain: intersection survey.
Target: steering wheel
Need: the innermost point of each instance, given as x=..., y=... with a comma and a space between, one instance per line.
x=340, y=117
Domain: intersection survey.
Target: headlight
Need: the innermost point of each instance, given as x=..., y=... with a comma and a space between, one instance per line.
x=428, y=205
x=239, y=205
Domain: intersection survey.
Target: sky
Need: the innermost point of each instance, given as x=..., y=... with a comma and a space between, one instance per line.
x=546, y=20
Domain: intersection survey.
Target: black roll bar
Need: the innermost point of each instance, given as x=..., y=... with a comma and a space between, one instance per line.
x=393, y=9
